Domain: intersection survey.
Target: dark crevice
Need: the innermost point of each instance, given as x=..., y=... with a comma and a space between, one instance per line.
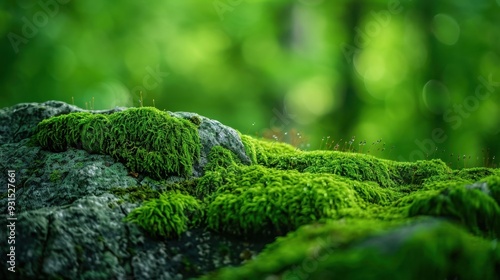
x=79, y=256
x=129, y=243
x=45, y=243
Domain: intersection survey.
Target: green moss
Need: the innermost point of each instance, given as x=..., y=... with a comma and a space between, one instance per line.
x=367, y=249
x=417, y=172
x=287, y=188
x=145, y=139
x=351, y=199
x=350, y=165
x=470, y=174
x=493, y=186
x=136, y=193
x=355, y=166
x=457, y=256
x=169, y=215
x=55, y=176
x=470, y=206
x=263, y=151
x=220, y=157
x=258, y=200
x=145, y=192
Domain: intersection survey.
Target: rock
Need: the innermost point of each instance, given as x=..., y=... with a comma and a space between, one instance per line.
x=339, y=211
x=87, y=239
x=17, y=122
x=213, y=133
x=56, y=179
x=70, y=224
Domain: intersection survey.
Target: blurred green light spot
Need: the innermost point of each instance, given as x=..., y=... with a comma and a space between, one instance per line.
x=436, y=96
x=311, y=99
x=446, y=29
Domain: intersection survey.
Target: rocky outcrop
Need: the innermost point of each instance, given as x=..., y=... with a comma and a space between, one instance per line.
x=70, y=222
x=78, y=209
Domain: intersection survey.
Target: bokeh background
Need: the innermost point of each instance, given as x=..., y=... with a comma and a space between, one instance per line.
x=403, y=80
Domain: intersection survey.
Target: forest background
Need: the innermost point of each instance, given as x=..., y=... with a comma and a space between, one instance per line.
x=404, y=80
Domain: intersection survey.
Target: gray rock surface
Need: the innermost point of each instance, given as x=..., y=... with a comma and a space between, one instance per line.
x=213, y=133
x=69, y=223
x=17, y=122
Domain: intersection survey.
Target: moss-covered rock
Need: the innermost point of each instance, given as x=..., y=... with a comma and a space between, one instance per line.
x=367, y=249
x=257, y=200
x=370, y=209
x=145, y=139
x=213, y=196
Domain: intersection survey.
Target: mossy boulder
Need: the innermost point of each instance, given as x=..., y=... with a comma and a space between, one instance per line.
x=143, y=193
x=146, y=139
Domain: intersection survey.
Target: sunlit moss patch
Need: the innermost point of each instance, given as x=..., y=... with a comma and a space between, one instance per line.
x=258, y=200
x=345, y=211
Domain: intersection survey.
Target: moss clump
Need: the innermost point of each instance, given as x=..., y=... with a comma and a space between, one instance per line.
x=417, y=172
x=220, y=157
x=470, y=206
x=493, y=186
x=169, y=215
x=350, y=165
x=136, y=193
x=145, y=139
x=470, y=174
x=258, y=200
x=293, y=188
x=55, y=176
x=365, y=249
x=263, y=152
x=355, y=166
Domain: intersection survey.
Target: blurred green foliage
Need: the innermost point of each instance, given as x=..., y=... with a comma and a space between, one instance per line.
x=422, y=76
